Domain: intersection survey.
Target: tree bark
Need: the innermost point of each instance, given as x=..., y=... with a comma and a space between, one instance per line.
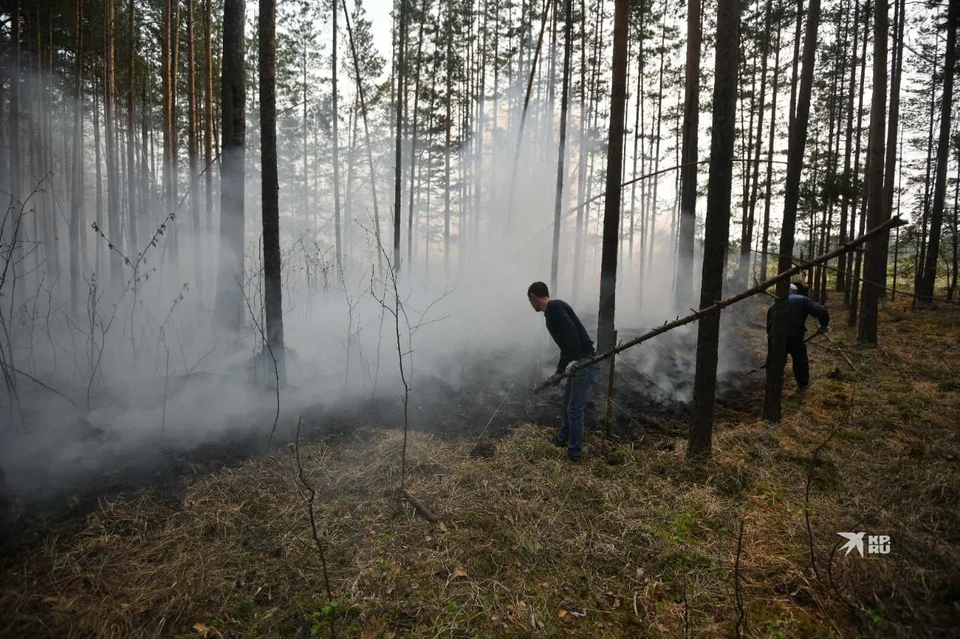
x=110, y=129
x=366, y=124
x=847, y=176
x=76, y=196
x=851, y=295
x=717, y=224
x=564, y=97
x=270, y=189
x=768, y=187
x=133, y=211
x=611, y=212
x=398, y=156
x=415, y=132
x=928, y=281
x=232, y=158
x=893, y=121
x=746, y=243
x=776, y=350
x=875, y=266
x=336, y=139
x=208, y=120
x=688, y=166
x=193, y=148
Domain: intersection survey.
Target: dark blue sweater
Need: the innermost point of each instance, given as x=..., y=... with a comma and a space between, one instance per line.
x=568, y=332
x=799, y=307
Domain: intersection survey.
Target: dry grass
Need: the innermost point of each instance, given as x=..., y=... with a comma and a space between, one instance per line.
x=641, y=542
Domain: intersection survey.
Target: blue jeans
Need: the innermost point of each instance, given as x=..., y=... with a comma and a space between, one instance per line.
x=574, y=405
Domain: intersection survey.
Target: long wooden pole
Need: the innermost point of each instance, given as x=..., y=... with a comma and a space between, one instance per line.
x=759, y=288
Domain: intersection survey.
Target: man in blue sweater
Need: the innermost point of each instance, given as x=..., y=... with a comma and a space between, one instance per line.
x=799, y=307
x=568, y=332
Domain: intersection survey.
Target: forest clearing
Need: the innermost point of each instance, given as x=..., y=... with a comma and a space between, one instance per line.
x=635, y=542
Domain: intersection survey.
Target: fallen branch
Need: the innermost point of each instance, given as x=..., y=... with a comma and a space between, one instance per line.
x=809, y=481
x=689, y=319
x=420, y=507
x=308, y=499
x=736, y=584
x=38, y=382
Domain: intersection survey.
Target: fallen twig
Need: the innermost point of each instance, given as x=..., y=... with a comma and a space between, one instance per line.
x=809, y=481
x=419, y=507
x=313, y=521
x=736, y=583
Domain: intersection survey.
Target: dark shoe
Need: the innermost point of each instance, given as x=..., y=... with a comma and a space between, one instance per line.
x=800, y=389
x=559, y=443
x=573, y=460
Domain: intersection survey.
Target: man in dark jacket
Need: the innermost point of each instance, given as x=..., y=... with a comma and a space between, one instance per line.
x=799, y=307
x=568, y=332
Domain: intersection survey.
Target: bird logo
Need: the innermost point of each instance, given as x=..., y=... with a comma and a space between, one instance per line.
x=854, y=540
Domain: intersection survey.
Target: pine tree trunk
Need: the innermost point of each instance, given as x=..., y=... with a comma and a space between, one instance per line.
x=874, y=267
x=717, y=224
x=746, y=243
x=133, y=210
x=768, y=187
x=851, y=294
x=479, y=157
x=776, y=348
x=270, y=190
x=353, y=126
x=847, y=181
x=15, y=153
x=398, y=158
x=688, y=166
x=110, y=127
x=890, y=169
x=193, y=148
x=637, y=134
x=415, y=132
x=561, y=160
x=956, y=232
x=165, y=64
x=174, y=239
x=97, y=248
x=611, y=212
x=581, y=156
x=230, y=278
x=928, y=281
x=796, y=60
x=76, y=195
x=656, y=159
x=448, y=123
x=366, y=123
x=336, y=140
x=523, y=118
x=208, y=119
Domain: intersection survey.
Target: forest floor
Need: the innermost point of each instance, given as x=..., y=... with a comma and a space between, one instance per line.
x=632, y=542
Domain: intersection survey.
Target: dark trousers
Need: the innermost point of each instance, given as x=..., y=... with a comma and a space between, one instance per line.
x=797, y=349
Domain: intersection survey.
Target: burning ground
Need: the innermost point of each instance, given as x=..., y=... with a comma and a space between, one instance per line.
x=633, y=542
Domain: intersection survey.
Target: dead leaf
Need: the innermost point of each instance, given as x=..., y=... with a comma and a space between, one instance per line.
x=442, y=527
x=561, y=613
x=459, y=571
x=59, y=603
x=268, y=614
x=206, y=630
